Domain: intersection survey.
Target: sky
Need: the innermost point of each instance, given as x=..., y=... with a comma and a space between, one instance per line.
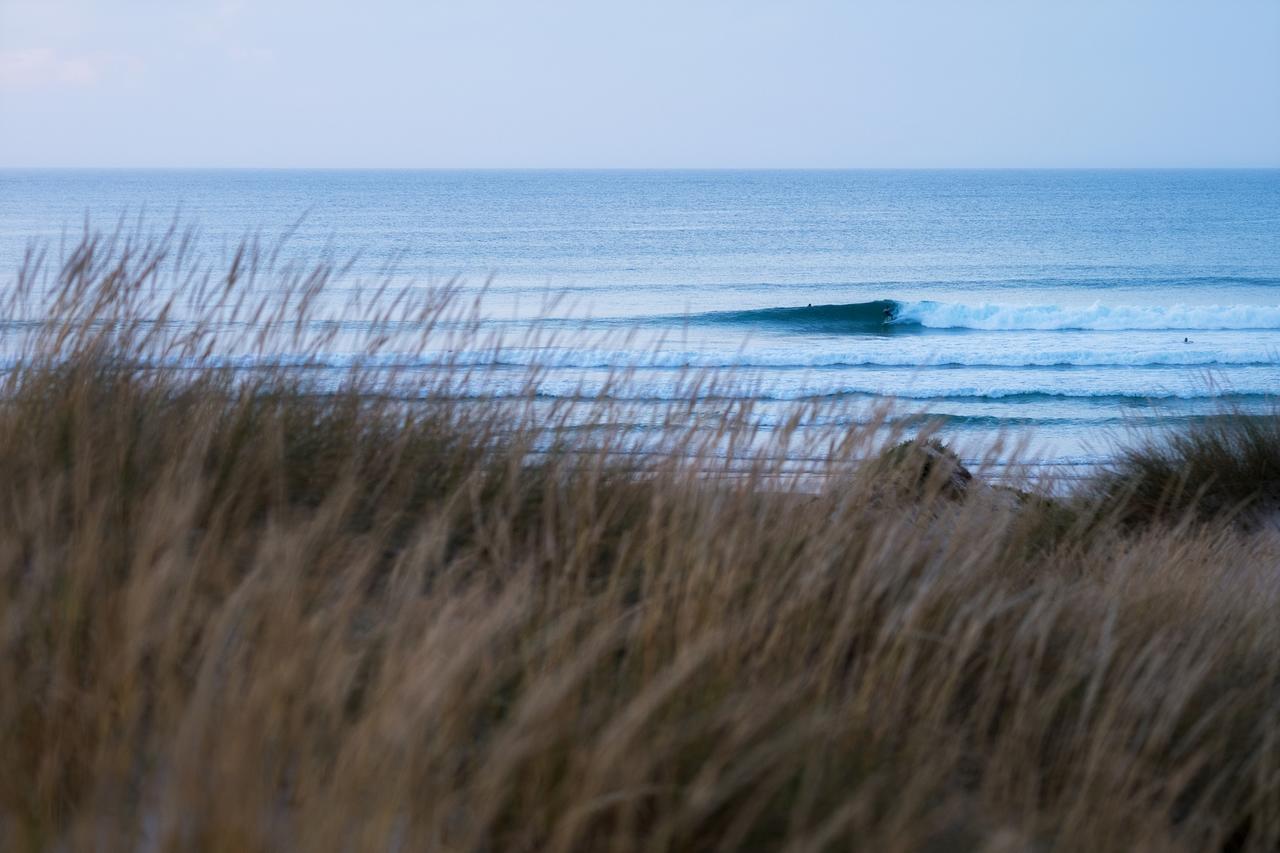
x=653, y=84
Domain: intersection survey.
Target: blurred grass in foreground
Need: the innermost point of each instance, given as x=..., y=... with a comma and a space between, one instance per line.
x=239, y=612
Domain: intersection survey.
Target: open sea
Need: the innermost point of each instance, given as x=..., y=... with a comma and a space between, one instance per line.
x=1068, y=308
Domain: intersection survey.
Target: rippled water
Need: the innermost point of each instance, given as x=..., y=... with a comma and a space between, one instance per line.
x=1070, y=303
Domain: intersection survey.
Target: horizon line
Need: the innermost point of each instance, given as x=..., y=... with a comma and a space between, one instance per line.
x=403, y=168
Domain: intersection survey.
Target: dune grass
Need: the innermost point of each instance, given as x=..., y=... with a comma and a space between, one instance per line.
x=243, y=611
x=1222, y=467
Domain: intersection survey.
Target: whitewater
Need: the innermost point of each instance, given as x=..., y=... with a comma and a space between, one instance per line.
x=887, y=316
x=1069, y=307
x=938, y=315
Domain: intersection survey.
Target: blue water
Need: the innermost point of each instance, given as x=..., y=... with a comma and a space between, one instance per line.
x=1066, y=306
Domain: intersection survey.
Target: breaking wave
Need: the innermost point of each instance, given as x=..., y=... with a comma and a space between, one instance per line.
x=885, y=316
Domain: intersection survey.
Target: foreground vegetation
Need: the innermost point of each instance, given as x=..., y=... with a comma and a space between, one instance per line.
x=237, y=614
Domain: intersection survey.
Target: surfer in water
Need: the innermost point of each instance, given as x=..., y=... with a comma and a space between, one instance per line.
x=888, y=314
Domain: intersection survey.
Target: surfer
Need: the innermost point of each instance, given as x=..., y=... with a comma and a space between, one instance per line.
x=1186, y=340
x=888, y=314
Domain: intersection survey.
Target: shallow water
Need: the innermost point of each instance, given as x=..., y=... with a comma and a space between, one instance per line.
x=1068, y=305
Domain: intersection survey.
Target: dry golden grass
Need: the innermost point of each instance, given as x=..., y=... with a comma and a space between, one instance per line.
x=237, y=614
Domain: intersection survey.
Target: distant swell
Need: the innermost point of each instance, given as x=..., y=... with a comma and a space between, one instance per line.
x=887, y=316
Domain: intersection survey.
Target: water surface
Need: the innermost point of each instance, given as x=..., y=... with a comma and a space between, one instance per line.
x=1066, y=305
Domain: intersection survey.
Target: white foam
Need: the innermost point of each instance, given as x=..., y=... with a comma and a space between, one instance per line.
x=879, y=353
x=1003, y=317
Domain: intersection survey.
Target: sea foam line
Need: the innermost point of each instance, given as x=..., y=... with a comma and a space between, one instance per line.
x=989, y=316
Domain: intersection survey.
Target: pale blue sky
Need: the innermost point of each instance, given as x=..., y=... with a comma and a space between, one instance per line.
x=660, y=83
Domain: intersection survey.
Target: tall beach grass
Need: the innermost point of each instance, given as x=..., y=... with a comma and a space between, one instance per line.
x=249, y=604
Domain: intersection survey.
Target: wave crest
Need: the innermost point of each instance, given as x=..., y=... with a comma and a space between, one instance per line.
x=884, y=316
x=1096, y=316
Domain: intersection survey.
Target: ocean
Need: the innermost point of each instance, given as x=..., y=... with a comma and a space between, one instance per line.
x=1067, y=309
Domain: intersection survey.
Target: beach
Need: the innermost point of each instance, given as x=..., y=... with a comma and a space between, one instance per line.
x=252, y=602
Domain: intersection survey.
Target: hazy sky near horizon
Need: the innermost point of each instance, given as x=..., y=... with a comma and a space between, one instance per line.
x=663, y=83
